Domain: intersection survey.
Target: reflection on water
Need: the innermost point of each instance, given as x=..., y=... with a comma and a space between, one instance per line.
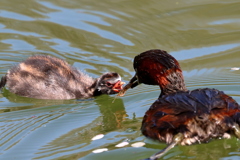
x=101, y=36
x=188, y=54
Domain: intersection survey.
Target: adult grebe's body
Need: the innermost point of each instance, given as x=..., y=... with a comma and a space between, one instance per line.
x=180, y=116
x=46, y=77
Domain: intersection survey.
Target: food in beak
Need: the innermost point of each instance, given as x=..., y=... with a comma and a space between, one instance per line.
x=118, y=86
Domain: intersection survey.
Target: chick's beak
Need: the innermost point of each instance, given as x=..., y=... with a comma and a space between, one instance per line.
x=118, y=86
x=132, y=83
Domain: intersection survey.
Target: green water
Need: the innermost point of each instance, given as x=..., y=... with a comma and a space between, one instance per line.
x=100, y=36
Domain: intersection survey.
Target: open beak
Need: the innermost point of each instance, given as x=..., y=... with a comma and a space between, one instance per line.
x=131, y=84
x=118, y=86
x=122, y=92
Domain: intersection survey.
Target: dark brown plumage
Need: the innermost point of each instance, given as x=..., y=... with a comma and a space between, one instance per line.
x=180, y=116
x=46, y=77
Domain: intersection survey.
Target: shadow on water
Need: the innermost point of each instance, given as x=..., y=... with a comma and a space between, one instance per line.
x=112, y=113
x=110, y=119
x=22, y=103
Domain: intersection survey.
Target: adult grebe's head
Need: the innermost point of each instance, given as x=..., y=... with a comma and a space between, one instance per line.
x=157, y=67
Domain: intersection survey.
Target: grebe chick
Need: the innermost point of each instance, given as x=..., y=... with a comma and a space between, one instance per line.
x=46, y=77
x=180, y=116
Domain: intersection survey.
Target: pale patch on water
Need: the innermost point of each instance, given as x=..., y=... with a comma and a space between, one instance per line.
x=138, y=144
x=100, y=150
x=100, y=136
x=235, y=69
x=122, y=144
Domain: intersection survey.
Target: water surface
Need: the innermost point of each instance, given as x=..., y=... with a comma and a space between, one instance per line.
x=100, y=36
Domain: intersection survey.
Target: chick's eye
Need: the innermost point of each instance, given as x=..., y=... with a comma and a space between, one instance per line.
x=108, y=84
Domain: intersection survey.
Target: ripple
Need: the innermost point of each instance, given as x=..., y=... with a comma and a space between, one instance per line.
x=13, y=15
x=19, y=44
x=225, y=21
x=188, y=54
x=18, y=129
x=81, y=21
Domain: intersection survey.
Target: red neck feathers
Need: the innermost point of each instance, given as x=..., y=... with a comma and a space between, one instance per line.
x=157, y=67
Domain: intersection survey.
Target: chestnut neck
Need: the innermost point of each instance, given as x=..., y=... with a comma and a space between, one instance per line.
x=171, y=82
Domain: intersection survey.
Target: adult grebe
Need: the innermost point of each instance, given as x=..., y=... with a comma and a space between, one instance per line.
x=180, y=116
x=46, y=77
